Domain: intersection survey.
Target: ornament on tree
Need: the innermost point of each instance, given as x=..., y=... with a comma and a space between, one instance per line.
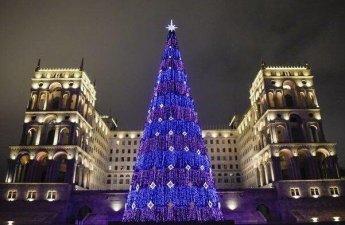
x=172, y=180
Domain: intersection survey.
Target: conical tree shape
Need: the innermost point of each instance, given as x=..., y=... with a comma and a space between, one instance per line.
x=172, y=180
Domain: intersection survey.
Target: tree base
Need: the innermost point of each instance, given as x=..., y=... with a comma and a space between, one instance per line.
x=225, y=222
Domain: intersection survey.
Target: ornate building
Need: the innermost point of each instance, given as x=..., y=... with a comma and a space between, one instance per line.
x=64, y=139
x=281, y=135
x=273, y=164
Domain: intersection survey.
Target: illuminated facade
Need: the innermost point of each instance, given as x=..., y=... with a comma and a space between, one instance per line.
x=222, y=150
x=273, y=164
x=64, y=139
x=281, y=135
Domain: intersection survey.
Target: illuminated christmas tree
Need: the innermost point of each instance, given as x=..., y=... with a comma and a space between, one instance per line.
x=172, y=179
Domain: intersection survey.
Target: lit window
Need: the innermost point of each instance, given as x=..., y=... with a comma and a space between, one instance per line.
x=51, y=196
x=315, y=192
x=31, y=195
x=334, y=191
x=11, y=195
x=295, y=193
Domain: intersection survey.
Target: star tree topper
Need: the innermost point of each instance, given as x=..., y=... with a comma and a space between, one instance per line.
x=171, y=26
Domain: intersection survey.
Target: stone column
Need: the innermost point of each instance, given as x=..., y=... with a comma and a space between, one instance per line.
x=10, y=171
x=260, y=176
x=56, y=135
x=266, y=173
x=276, y=170
x=71, y=167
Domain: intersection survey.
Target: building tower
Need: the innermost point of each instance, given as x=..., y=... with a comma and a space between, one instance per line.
x=284, y=127
x=58, y=140
x=172, y=178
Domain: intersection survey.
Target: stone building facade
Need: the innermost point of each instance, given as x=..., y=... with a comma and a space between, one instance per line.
x=64, y=139
x=273, y=164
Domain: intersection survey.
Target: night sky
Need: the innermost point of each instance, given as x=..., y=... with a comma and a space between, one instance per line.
x=222, y=44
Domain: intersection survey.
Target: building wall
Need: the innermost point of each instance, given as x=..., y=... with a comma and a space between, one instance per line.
x=243, y=205
x=222, y=151
x=64, y=139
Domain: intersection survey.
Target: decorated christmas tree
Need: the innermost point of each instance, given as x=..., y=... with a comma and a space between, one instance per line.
x=172, y=179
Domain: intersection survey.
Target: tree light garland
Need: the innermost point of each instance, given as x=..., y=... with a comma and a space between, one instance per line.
x=172, y=180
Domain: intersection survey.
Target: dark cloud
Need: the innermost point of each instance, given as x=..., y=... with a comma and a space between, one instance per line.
x=222, y=43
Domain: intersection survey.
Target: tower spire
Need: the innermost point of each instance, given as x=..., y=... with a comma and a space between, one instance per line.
x=38, y=66
x=81, y=68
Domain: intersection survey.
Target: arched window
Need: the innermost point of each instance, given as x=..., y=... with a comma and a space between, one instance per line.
x=31, y=137
x=321, y=164
x=271, y=99
x=55, y=95
x=302, y=161
x=64, y=136
x=303, y=100
x=50, y=135
x=42, y=104
x=281, y=134
x=21, y=169
x=42, y=167
x=314, y=134
x=311, y=99
x=284, y=158
x=62, y=168
x=289, y=93
x=288, y=100
x=279, y=100
x=296, y=128
x=64, y=101
x=33, y=102
x=73, y=101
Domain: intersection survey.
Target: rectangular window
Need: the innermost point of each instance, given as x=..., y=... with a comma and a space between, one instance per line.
x=211, y=142
x=128, y=159
x=127, y=167
x=315, y=192
x=110, y=159
x=115, y=168
x=212, y=150
x=51, y=196
x=217, y=149
x=129, y=142
x=223, y=141
x=11, y=195
x=115, y=181
x=334, y=191
x=135, y=159
x=218, y=157
x=108, y=181
x=295, y=192
x=121, y=181
x=213, y=167
x=122, y=159
x=219, y=167
x=212, y=157
x=127, y=181
x=223, y=149
x=135, y=142
x=31, y=195
x=230, y=150
x=205, y=141
x=217, y=142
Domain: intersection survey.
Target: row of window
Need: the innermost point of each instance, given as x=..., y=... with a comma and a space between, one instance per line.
x=123, y=151
x=223, y=158
x=219, y=180
x=122, y=159
x=121, y=167
x=224, y=150
x=225, y=167
x=219, y=141
x=314, y=192
x=31, y=195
